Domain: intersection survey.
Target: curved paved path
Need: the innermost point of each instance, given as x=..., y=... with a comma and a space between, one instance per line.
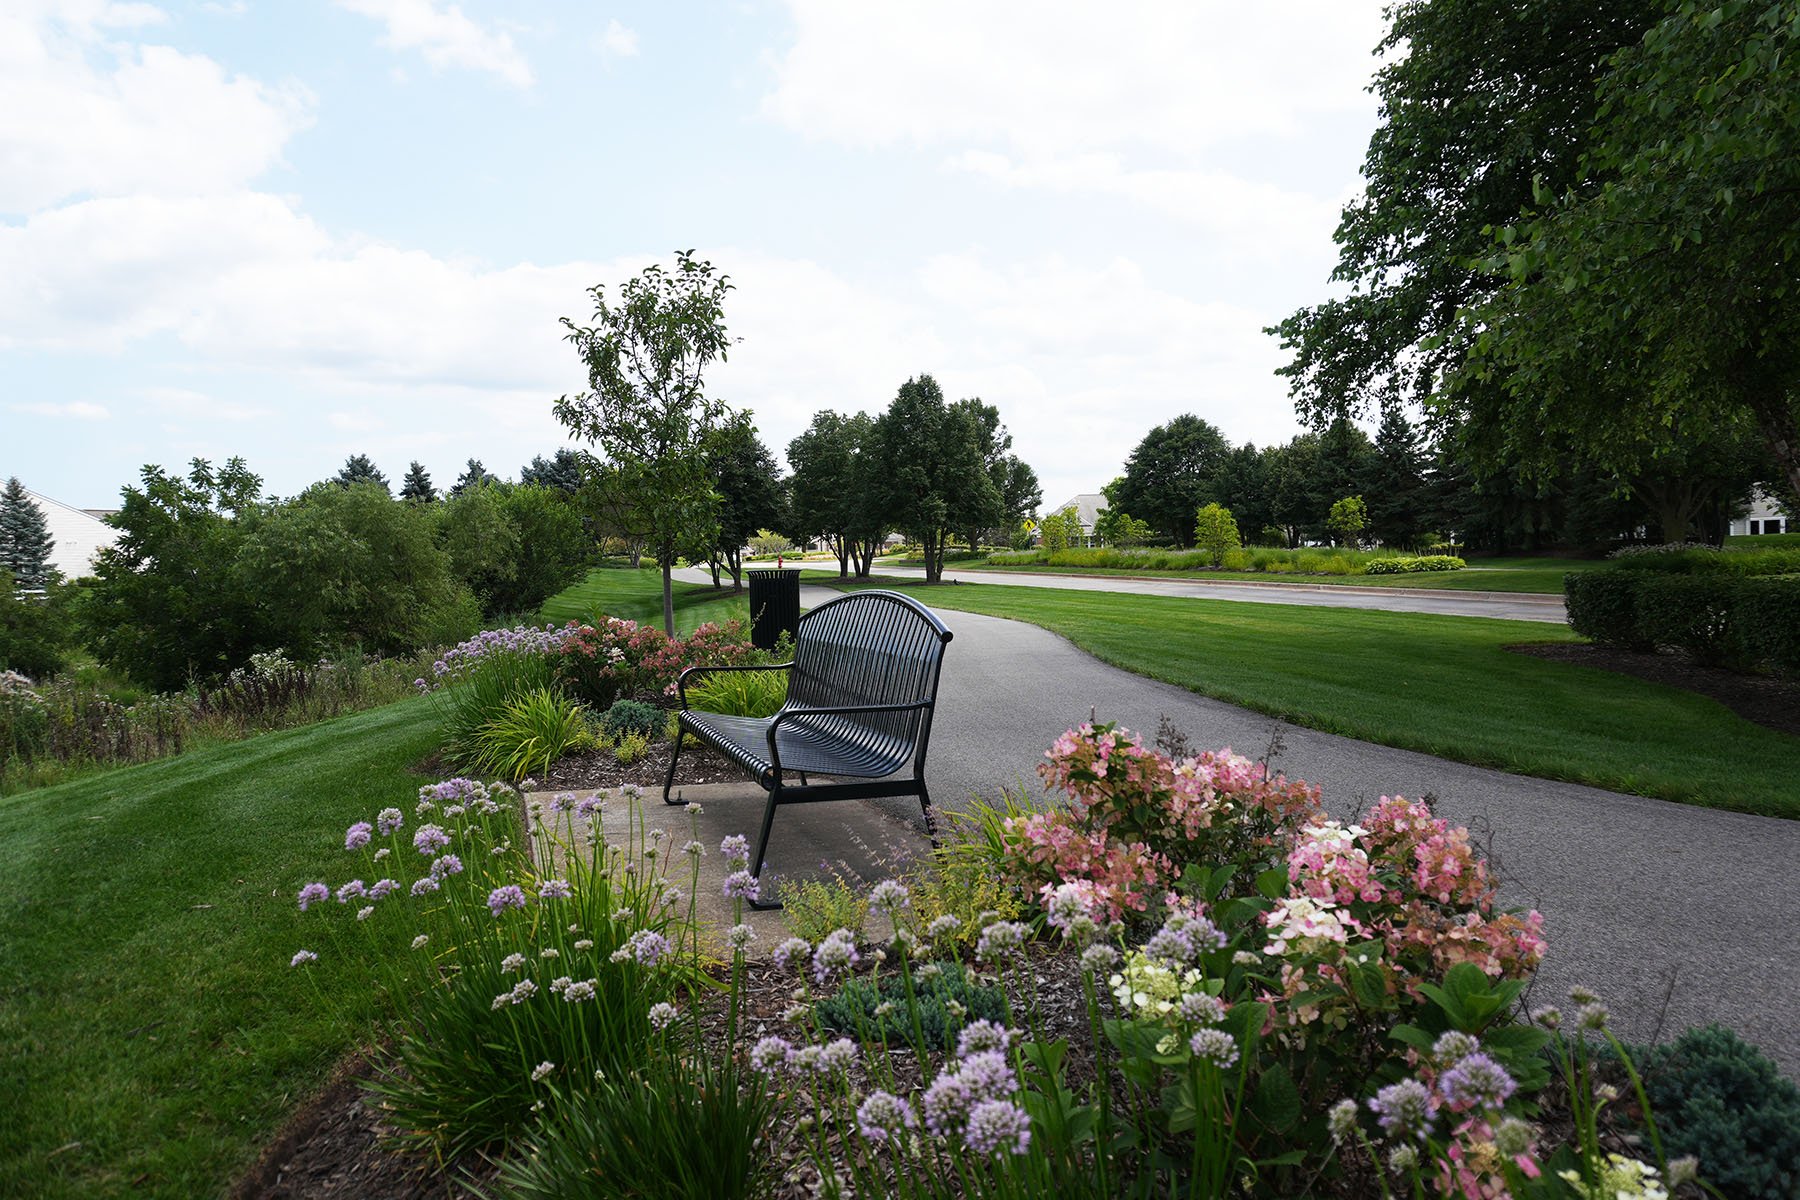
x=1512, y=606
x=1634, y=892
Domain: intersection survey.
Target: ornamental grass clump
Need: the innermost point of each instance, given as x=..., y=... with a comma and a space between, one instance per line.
x=517, y=951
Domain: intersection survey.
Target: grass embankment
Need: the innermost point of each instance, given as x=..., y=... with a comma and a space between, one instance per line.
x=1539, y=575
x=152, y=1035
x=637, y=595
x=1441, y=685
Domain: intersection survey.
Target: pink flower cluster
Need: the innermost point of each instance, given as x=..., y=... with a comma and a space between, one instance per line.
x=1114, y=876
x=625, y=657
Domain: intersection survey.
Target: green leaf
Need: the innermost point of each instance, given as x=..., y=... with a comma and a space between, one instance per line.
x=1277, y=1101
x=1273, y=883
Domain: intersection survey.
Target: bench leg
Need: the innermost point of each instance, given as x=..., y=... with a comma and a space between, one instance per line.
x=765, y=903
x=680, y=737
x=930, y=817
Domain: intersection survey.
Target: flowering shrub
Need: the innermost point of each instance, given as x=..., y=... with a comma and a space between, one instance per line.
x=614, y=657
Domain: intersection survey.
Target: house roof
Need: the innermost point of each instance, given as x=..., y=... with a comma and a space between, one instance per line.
x=1088, y=506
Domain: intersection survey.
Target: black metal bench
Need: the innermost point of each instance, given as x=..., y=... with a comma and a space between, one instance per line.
x=861, y=691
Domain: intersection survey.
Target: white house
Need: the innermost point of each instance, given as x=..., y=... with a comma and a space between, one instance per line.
x=1088, y=506
x=78, y=535
x=1763, y=517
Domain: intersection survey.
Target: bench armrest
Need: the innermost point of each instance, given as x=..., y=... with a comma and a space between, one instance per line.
x=785, y=713
x=681, y=682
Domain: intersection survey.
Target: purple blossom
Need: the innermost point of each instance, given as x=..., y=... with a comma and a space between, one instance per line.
x=430, y=839
x=1403, y=1109
x=554, y=889
x=982, y=1035
x=381, y=889
x=1476, y=1080
x=736, y=848
x=389, y=820
x=358, y=835
x=742, y=885
x=313, y=893
x=424, y=885
x=1000, y=938
x=446, y=864
x=562, y=802
x=770, y=1053
x=505, y=897
x=646, y=947
x=587, y=806
x=354, y=890
x=836, y=953
x=302, y=957
x=1214, y=1046
x=998, y=1125
x=884, y=1115
x=662, y=1015
x=791, y=953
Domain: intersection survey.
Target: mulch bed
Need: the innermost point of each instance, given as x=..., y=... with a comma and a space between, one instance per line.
x=1773, y=703
x=597, y=769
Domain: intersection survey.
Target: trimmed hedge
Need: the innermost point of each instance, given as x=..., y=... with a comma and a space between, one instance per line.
x=1738, y=621
x=1738, y=562
x=1406, y=566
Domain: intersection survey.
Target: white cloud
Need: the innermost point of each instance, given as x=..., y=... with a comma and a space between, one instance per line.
x=616, y=41
x=127, y=118
x=188, y=404
x=445, y=37
x=77, y=409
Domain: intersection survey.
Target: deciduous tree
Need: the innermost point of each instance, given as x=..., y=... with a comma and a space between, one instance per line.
x=1171, y=473
x=932, y=476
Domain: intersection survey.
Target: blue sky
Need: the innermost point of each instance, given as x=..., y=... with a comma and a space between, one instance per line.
x=300, y=230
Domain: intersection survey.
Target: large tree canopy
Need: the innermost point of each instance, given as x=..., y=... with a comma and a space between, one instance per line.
x=1656, y=298
x=1173, y=471
x=750, y=495
x=933, y=476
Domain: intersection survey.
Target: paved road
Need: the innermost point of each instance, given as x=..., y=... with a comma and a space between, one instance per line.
x=1512, y=606
x=1635, y=892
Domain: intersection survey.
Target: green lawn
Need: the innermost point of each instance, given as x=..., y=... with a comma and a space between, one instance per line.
x=1437, y=684
x=1542, y=575
x=152, y=1035
x=637, y=595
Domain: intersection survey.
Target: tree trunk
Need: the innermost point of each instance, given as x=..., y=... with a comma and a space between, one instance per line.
x=713, y=564
x=668, y=599
x=734, y=562
x=840, y=545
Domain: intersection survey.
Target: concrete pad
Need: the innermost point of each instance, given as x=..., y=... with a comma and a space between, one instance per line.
x=849, y=839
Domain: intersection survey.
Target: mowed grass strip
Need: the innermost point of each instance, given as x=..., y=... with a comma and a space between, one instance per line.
x=1437, y=684
x=637, y=595
x=1542, y=576
x=152, y=1034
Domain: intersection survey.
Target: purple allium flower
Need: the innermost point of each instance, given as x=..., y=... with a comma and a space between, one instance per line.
x=988, y=1075
x=505, y=897
x=770, y=1053
x=424, y=885
x=943, y=927
x=1592, y=1015
x=430, y=839
x=358, y=835
x=555, y=889
x=313, y=893
x=693, y=848
x=389, y=820
x=523, y=991
x=807, y=1058
x=1214, y=1046
x=998, y=1125
x=381, y=889
x=587, y=806
x=646, y=947
x=742, y=885
x=982, y=1035
x=1067, y=902
x=542, y=1071
x=1000, y=938
x=1454, y=1046
x=302, y=957
x=740, y=936
x=662, y=1015
x=884, y=1115
x=1403, y=1109
x=1476, y=1080
x=791, y=953
x=1171, y=944
x=446, y=864
x=836, y=953
x=1341, y=1121
x=580, y=990
x=562, y=802
x=838, y=1055
x=736, y=848
x=354, y=890
x=889, y=896
x=512, y=962
x=1199, y=1008
x=1099, y=958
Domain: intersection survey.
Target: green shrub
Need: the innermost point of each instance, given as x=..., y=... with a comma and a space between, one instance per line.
x=1718, y=1098
x=813, y=908
x=1602, y=607
x=1769, y=621
x=481, y=694
x=1695, y=612
x=1406, y=566
x=1338, y=564
x=632, y=717
x=853, y=1009
x=1235, y=560
x=530, y=732
x=740, y=693
x=1696, y=560
x=698, y=1132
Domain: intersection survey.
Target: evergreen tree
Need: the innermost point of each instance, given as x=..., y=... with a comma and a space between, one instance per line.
x=417, y=485
x=1397, y=496
x=563, y=472
x=358, y=468
x=474, y=476
x=25, y=540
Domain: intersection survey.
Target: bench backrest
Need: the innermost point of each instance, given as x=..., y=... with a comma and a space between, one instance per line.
x=870, y=647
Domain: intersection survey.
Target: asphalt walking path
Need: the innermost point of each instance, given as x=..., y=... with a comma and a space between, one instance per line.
x=1677, y=915
x=1511, y=606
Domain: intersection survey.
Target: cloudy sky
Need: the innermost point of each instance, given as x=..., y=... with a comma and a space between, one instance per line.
x=299, y=229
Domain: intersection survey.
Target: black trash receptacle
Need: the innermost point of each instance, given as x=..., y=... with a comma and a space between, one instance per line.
x=774, y=606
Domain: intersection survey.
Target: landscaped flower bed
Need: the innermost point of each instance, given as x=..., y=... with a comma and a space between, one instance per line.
x=1201, y=986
